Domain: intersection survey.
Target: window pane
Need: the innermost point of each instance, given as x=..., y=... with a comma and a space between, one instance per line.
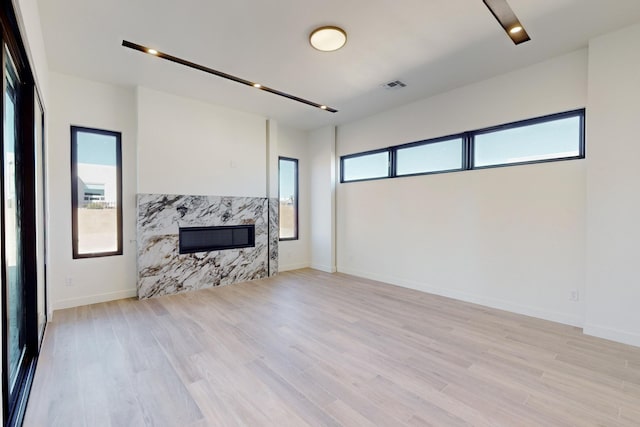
x=548, y=140
x=367, y=166
x=12, y=178
x=430, y=157
x=97, y=202
x=288, y=190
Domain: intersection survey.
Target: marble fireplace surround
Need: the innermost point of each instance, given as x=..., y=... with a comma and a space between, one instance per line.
x=162, y=270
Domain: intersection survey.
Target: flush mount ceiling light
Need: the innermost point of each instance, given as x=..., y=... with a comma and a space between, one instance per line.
x=328, y=39
x=162, y=55
x=508, y=20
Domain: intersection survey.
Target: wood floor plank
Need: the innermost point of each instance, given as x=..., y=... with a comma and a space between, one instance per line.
x=347, y=416
x=307, y=348
x=300, y=404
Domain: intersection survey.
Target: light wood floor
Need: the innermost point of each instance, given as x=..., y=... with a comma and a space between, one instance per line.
x=309, y=348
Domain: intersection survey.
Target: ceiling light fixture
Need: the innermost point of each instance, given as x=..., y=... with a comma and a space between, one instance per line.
x=503, y=13
x=516, y=29
x=328, y=39
x=236, y=79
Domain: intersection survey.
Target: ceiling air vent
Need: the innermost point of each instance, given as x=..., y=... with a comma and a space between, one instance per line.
x=394, y=85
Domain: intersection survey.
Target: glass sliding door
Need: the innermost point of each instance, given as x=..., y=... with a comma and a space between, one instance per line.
x=11, y=213
x=22, y=220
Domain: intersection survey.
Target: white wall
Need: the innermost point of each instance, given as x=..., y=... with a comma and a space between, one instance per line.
x=295, y=254
x=322, y=155
x=512, y=238
x=613, y=192
x=190, y=147
x=80, y=102
x=272, y=182
x=31, y=30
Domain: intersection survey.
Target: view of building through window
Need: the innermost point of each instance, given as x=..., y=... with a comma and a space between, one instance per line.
x=288, y=190
x=97, y=157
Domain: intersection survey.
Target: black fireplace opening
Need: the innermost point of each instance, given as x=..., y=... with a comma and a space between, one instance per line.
x=204, y=239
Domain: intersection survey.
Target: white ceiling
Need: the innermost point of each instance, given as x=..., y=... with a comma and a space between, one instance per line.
x=432, y=45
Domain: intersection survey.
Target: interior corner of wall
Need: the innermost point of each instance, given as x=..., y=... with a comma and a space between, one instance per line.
x=271, y=146
x=625, y=337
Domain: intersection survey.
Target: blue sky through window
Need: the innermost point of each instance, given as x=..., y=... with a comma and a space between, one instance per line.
x=547, y=140
x=374, y=165
x=96, y=149
x=287, y=179
x=438, y=156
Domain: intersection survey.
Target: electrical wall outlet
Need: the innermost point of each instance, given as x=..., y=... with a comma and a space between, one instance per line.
x=68, y=281
x=574, y=295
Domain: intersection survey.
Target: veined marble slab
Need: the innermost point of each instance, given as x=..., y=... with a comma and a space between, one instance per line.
x=274, y=235
x=162, y=270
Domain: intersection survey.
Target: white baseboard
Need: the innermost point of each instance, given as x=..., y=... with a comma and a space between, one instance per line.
x=325, y=268
x=612, y=334
x=474, y=299
x=94, y=299
x=289, y=267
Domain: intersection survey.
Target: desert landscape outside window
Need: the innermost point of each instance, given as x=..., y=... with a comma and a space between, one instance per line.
x=96, y=187
x=288, y=195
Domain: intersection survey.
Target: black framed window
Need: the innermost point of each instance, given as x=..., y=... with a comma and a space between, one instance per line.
x=542, y=139
x=288, y=196
x=437, y=155
x=554, y=137
x=364, y=166
x=96, y=192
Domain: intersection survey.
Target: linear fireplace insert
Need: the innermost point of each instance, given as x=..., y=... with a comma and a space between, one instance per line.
x=203, y=239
